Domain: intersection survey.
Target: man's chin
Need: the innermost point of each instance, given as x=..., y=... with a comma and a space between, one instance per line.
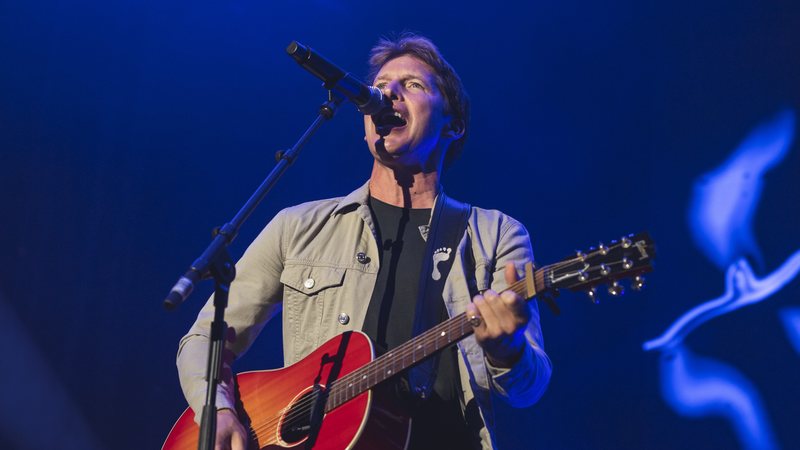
x=389, y=156
x=388, y=146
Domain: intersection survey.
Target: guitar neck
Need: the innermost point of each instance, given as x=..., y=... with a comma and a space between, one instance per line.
x=421, y=347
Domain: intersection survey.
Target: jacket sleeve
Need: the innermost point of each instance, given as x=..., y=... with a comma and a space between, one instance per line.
x=524, y=383
x=254, y=298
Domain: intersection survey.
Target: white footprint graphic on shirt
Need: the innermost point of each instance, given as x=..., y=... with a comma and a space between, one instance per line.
x=441, y=254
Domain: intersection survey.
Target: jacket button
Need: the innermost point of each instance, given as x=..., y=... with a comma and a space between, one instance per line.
x=362, y=257
x=309, y=283
x=344, y=319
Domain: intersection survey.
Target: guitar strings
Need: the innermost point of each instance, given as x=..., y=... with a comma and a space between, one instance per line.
x=400, y=353
x=301, y=409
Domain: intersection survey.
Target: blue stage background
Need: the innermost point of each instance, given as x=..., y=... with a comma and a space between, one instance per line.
x=129, y=129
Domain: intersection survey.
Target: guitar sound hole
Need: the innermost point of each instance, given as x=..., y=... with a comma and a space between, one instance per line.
x=296, y=424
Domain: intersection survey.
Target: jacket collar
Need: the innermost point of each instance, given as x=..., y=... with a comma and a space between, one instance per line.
x=357, y=197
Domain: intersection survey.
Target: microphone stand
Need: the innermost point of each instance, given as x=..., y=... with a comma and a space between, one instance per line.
x=215, y=262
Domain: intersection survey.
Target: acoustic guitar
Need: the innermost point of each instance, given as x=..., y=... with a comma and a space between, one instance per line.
x=329, y=401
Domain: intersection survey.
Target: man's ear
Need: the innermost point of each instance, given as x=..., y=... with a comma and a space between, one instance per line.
x=455, y=129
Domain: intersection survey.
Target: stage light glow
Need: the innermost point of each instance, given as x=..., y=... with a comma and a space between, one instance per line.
x=725, y=199
x=720, y=218
x=696, y=386
x=742, y=288
x=791, y=322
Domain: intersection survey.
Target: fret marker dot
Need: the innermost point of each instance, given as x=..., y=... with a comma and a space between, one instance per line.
x=350, y=385
x=443, y=333
x=364, y=378
x=389, y=372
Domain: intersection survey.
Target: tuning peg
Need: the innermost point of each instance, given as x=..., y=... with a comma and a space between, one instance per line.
x=603, y=249
x=626, y=242
x=616, y=289
x=592, y=294
x=638, y=283
x=583, y=276
x=626, y=263
x=604, y=270
x=580, y=255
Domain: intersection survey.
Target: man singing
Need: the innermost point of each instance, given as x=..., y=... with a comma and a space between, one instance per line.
x=363, y=262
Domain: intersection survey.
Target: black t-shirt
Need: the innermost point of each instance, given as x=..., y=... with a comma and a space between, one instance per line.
x=437, y=422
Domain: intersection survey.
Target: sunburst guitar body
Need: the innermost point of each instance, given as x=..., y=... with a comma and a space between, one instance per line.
x=276, y=405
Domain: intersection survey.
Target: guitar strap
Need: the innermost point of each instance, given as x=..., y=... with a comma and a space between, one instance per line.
x=447, y=226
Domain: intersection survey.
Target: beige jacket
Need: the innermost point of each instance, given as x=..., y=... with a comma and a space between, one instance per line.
x=307, y=261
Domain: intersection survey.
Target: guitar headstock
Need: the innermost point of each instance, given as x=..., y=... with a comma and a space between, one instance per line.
x=627, y=258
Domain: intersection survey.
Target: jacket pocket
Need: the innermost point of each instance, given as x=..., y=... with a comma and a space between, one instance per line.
x=310, y=279
x=306, y=286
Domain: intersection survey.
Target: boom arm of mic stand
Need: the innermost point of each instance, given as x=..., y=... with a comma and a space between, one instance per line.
x=200, y=269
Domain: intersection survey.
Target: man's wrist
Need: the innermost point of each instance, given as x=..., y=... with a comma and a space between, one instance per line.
x=505, y=363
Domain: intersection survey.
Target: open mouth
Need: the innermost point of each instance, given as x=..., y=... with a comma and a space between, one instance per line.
x=386, y=120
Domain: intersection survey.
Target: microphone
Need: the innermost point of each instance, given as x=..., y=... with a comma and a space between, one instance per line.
x=368, y=99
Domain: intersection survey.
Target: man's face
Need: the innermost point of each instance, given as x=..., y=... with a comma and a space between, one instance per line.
x=415, y=135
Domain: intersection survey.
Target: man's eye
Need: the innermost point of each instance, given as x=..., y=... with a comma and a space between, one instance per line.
x=415, y=85
x=380, y=85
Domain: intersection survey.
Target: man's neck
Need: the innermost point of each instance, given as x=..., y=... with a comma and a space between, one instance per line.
x=404, y=189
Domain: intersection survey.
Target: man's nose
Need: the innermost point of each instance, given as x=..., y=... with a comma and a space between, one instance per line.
x=392, y=90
